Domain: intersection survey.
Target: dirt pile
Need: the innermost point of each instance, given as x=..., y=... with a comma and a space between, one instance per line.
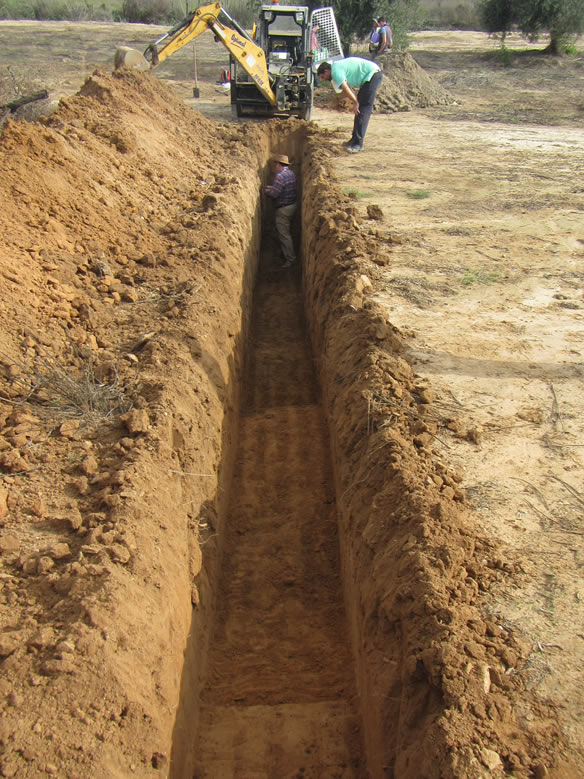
x=120, y=222
x=417, y=564
x=406, y=85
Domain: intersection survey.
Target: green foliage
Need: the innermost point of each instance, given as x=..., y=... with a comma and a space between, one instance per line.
x=151, y=11
x=71, y=10
x=404, y=16
x=357, y=194
x=504, y=55
x=246, y=12
x=419, y=194
x=13, y=9
x=144, y=11
x=353, y=20
x=498, y=16
x=449, y=14
x=479, y=277
x=561, y=19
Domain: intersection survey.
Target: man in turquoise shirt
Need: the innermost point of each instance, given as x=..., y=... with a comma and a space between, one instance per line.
x=347, y=75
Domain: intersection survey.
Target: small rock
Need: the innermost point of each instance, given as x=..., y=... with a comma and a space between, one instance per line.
x=363, y=283
x=44, y=637
x=81, y=485
x=10, y=641
x=374, y=212
x=15, y=699
x=63, y=585
x=89, y=465
x=119, y=553
x=137, y=421
x=9, y=543
x=59, y=551
x=475, y=434
x=29, y=566
x=38, y=508
x=159, y=760
x=485, y=673
x=427, y=396
x=65, y=665
x=491, y=759
x=69, y=428
x=148, y=260
x=44, y=564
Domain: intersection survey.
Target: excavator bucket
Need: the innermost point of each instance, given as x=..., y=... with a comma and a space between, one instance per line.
x=127, y=57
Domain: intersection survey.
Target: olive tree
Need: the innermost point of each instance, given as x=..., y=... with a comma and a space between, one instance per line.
x=354, y=19
x=560, y=19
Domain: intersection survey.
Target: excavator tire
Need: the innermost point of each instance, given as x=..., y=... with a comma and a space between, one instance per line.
x=127, y=57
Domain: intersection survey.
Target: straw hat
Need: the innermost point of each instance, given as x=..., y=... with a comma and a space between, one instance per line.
x=281, y=158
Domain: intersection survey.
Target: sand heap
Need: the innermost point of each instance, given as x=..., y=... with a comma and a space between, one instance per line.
x=406, y=85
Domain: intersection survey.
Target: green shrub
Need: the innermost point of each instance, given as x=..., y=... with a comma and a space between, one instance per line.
x=43, y=10
x=151, y=11
x=445, y=14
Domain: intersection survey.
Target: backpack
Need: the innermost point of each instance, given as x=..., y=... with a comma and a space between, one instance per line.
x=374, y=40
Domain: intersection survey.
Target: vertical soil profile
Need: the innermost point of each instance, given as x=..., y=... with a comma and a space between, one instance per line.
x=279, y=698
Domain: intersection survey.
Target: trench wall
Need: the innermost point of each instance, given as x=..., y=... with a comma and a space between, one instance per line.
x=404, y=543
x=408, y=548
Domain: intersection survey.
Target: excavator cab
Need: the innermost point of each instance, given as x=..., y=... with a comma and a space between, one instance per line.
x=282, y=32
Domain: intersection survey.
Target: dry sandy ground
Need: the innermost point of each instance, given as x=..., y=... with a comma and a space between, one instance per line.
x=487, y=280
x=477, y=246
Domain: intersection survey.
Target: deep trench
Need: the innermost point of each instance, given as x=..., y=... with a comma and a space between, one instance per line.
x=279, y=695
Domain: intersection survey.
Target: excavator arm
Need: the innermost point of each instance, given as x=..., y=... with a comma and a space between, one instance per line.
x=249, y=55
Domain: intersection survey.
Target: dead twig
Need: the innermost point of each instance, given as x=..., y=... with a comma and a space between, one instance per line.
x=572, y=490
x=508, y=427
x=533, y=489
x=48, y=383
x=555, y=416
x=540, y=514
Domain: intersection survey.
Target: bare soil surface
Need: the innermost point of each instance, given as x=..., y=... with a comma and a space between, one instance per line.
x=482, y=212
x=443, y=286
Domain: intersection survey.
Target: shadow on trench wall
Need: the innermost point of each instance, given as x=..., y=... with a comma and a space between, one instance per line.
x=210, y=521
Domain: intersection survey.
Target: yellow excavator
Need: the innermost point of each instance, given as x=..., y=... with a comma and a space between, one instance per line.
x=271, y=71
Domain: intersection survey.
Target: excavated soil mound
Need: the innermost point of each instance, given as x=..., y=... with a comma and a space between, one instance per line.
x=405, y=86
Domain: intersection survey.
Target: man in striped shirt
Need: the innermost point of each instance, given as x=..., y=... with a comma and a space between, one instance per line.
x=283, y=193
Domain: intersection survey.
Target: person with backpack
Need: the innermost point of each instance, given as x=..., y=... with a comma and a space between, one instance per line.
x=383, y=39
x=374, y=37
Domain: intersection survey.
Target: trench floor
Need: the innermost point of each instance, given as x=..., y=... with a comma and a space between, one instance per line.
x=280, y=699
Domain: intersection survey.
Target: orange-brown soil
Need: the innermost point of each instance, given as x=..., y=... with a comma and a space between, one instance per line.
x=238, y=537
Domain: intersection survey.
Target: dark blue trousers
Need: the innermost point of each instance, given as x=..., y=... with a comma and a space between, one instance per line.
x=366, y=98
